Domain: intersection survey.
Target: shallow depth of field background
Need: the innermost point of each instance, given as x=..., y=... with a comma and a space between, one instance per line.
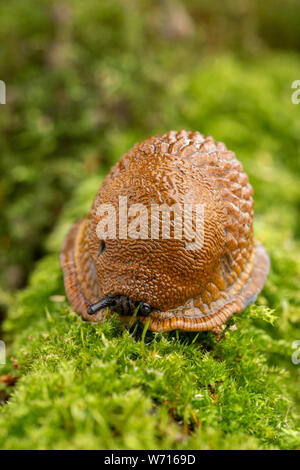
x=85, y=81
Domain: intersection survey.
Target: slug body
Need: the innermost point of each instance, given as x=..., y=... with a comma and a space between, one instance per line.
x=164, y=278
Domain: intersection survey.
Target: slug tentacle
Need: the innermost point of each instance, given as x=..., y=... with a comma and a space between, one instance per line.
x=103, y=303
x=120, y=304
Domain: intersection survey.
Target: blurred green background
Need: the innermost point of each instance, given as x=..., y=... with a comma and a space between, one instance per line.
x=86, y=80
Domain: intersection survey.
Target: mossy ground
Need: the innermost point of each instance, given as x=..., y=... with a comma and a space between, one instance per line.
x=87, y=386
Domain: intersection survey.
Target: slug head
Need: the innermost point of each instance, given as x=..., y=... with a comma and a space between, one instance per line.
x=121, y=305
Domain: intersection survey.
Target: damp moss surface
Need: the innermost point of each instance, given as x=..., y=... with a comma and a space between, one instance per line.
x=69, y=384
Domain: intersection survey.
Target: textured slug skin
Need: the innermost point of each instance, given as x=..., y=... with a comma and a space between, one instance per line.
x=189, y=289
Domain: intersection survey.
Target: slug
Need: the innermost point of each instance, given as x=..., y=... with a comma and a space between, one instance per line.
x=168, y=239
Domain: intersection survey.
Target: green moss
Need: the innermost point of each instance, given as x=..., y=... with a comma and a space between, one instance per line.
x=99, y=386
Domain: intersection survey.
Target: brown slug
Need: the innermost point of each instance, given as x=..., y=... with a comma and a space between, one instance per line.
x=159, y=275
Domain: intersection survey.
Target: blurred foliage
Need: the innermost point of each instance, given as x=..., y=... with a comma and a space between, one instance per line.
x=85, y=80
